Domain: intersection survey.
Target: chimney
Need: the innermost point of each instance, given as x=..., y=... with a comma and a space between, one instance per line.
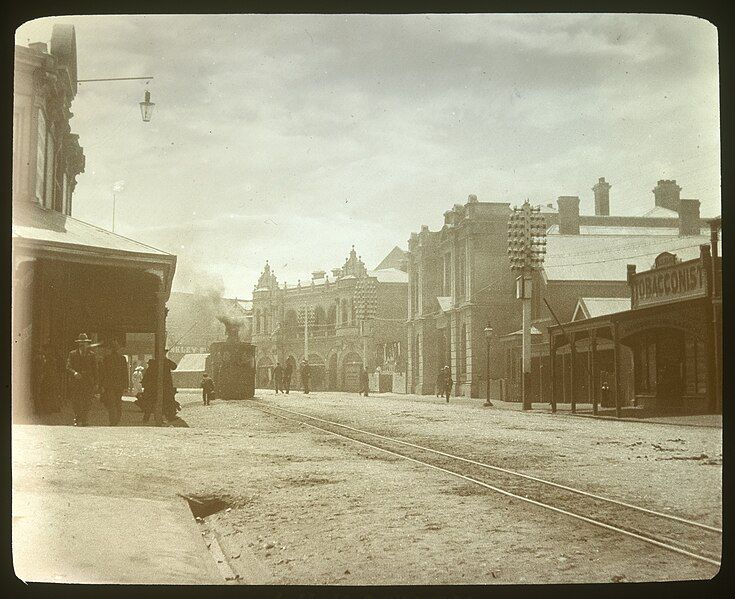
x=472, y=199
x=336, y=272
x=689, y=217
x=318, y=274
x=602, y=197
x=666, y=194
x=568, y=215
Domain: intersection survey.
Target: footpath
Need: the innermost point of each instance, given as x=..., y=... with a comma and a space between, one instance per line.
x=77, y=536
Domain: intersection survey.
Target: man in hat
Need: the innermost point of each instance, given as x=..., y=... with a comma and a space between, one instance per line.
x=305, y=374
x=113, y=381
x=278, y=378
x=288, y=373
x=150, y=389
x=82, y=369
x=448, y=382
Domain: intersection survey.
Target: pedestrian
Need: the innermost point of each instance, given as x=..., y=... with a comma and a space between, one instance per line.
x=440, y=383
x=305, y=374
x=448, y=382
x=150, y=390
x=364, y=381
x=137, y=380
x=278, y=377
x=45, y=382
x=81, y=366
x=207, y=389
x=288, y=373
x=113, y=381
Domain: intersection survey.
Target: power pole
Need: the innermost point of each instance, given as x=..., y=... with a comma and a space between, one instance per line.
x=526, y=250
x=306, y=332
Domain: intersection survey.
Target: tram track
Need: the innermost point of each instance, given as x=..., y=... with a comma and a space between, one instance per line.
x=686, y=537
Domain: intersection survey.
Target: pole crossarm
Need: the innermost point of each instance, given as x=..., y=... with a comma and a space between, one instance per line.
x=114, y=79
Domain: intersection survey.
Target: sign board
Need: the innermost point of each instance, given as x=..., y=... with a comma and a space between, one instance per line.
x=667, y=284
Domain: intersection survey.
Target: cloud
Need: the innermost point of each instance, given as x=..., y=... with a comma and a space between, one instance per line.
x=290, y=137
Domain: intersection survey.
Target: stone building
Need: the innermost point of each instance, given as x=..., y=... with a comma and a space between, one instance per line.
x=342, y=322
x=460, y=281
x=68, y=276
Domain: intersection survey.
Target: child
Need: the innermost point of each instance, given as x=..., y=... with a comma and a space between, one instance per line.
x=207, y=389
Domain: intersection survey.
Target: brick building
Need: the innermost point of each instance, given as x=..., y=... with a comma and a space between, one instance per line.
x=460, y=281
x=355, y=318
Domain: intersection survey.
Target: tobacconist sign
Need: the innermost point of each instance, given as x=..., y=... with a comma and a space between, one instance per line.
x=666, y=284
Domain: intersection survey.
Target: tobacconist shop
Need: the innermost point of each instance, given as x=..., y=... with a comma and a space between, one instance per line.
x=673, y=332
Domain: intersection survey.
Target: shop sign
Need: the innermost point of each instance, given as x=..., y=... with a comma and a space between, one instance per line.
x=666, y=284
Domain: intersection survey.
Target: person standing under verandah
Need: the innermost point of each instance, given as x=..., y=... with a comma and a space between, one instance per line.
x=113, y=381
x=288, y=373
x=305, y=374
x=81, y=366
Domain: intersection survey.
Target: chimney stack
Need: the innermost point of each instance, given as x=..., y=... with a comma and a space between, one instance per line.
x=602, y=197
x=39, y=47
x=568, y=215
x=689, y=217
x=666, y=194
x=472, y=199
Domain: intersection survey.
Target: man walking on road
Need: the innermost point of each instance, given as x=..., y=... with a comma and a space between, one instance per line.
x=364, y=381
x=288, y=373
x=278, y=377
x=113, y=381
x=82, y=368
x=207, y=389
x=448, y=382
x=305, y=375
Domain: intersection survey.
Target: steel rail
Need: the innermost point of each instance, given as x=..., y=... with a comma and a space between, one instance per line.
x=646, y=539
x=513, y=473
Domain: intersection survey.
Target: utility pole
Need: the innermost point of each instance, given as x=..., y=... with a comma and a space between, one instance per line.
x=526, y=250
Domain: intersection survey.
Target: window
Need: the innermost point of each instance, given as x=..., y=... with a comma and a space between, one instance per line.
x=50, y=157
x=695, y=367
x=447, y=283
x=64, y=193
x=463, y=350
x=41, y=158
x=461, y=284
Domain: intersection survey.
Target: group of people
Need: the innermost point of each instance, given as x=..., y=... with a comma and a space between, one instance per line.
x=282, y=375
x=110, y=381
x=444, y=383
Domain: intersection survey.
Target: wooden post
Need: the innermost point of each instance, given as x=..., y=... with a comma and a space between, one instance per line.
x=160, y=351
x=572, y=371
x=564, y=378
x=616, y=369
x=593, y=382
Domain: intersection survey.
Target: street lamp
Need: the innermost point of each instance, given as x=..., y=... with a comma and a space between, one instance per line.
x=488, y=337
x=146, y=107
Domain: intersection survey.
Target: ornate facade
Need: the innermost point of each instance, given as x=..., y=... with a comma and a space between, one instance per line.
x=340, y=323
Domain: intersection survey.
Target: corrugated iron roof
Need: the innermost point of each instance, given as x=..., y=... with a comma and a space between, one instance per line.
x=192, y=363
x=36, y=224
x=389, y=275
x=600, y=306
x=623, y=230
x=604, y=258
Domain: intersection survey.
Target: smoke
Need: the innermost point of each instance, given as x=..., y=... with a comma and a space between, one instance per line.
x=209, y=301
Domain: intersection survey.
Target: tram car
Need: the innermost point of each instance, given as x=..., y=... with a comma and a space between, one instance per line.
x=232, y=367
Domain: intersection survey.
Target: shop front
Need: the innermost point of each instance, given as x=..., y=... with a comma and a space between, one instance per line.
x=670, y=333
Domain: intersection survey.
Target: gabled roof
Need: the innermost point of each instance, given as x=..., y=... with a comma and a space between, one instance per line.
x=394, y=260
x=591, y=307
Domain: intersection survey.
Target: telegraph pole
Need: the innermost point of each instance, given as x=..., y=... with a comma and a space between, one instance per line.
x=526, y=250
x=306, y=332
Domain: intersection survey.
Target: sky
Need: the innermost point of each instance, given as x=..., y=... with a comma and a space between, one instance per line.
x=290, y=138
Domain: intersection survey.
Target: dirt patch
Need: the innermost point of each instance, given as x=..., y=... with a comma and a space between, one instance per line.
x=309, y=481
